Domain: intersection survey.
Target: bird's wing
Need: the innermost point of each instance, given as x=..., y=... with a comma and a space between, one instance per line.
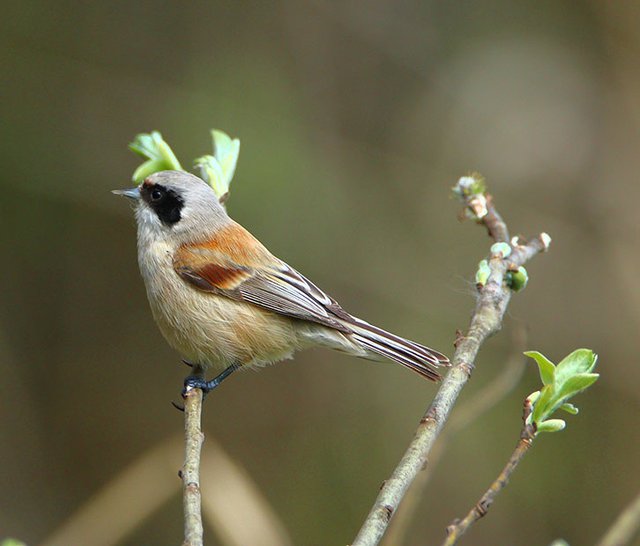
x=261, y=279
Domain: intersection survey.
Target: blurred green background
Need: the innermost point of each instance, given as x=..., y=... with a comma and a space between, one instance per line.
x=355, y=119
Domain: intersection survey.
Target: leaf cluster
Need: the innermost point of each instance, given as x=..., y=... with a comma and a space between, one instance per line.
x=217, y=169
x=572, y=375
x=158, y=153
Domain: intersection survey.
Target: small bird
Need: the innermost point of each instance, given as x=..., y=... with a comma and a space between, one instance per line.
x=223, y=301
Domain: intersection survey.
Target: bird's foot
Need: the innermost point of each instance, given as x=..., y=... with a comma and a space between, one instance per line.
x=199, y=382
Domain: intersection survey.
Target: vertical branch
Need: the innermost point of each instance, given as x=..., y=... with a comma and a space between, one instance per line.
x=190, y=473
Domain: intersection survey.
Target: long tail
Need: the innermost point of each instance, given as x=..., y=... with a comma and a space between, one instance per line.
x=414, y=356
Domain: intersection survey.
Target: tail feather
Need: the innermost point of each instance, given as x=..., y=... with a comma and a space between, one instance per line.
x=414, y=356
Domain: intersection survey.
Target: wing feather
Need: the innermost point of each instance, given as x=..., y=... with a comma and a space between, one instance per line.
x=277, y=288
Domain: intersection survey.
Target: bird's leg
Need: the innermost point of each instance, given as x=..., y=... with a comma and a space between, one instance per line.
x=197, y=380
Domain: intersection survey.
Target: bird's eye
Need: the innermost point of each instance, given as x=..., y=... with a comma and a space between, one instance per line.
x=156, y=195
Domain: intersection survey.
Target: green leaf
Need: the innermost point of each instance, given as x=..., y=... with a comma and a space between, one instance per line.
x=554, y=396
x=545, y=366
x=543, y=404
x=218, y=169
x=562, y=382
x=551, y=425
x=576, y=384
x=147, y=168
x=578, y=362
x=226, y=150
x=166, y=153
x=570, y=408
x=224, y=146
x=159, y=154
x=213, y=175
x=533, y=397
x=143, y=145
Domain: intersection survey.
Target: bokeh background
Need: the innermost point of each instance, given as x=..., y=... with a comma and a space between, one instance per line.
x=355, y=120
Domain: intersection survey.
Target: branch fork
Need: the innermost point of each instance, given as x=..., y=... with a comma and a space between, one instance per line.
x=493, y=299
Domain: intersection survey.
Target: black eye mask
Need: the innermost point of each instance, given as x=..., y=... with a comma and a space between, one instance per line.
x=166, y=203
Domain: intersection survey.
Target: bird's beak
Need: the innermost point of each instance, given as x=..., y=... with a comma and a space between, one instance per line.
x=131, y=193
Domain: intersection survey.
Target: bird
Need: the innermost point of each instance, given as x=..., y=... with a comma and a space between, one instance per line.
x=223, y=301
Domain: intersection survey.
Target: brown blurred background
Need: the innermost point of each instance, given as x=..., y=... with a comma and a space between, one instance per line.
x=355, y=119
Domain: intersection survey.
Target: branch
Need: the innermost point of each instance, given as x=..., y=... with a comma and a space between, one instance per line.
x=476, y=406
x=459, y=527
x=625, y=527
x=560, y=382
x=491, y=305
x=190, y=473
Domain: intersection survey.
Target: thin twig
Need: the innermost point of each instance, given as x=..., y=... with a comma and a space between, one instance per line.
x=190, y=473
x=476, y=406
x=491, y=305
x=625, y=527
x=459, y=527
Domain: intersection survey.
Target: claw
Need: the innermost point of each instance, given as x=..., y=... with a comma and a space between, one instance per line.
x=198, y=382
x=195, y=382
x=179, y=407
